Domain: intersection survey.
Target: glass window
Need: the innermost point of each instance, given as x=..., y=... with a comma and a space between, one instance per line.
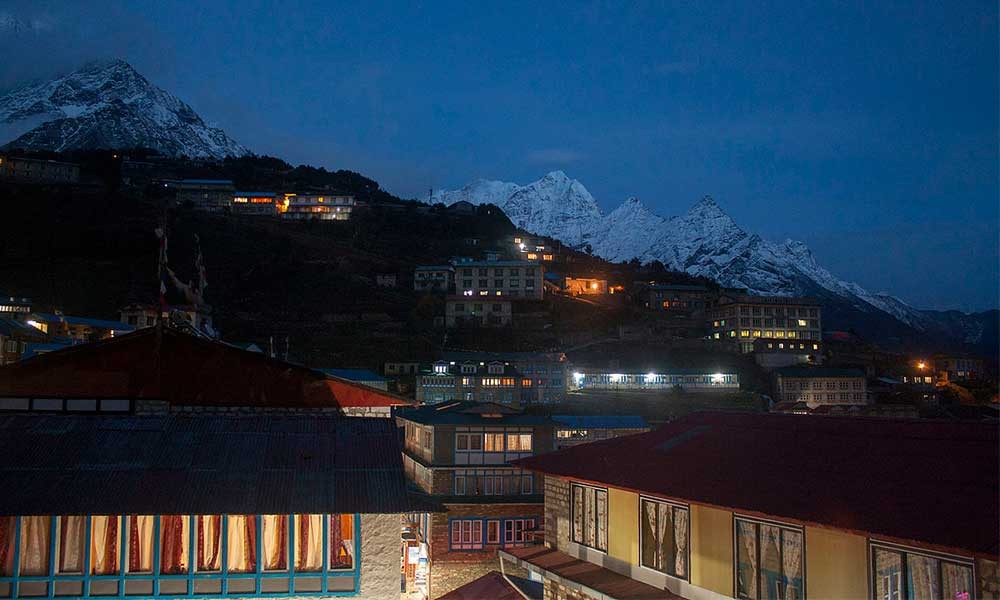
x=768, y=561
x=901, y=573
x=7, y=530
x=467, y=534
x=664, y=544
x=590, y=517
x=174, y=544
x=105, y=531
x=209, y=542
x=342, y=541
x=241, y=543
x=494, y=442
x=140, y=544
x=35, y=536
x=308, y=543
x=274, y=539
x=71, y=544
x=492, y=532
x=519, y=442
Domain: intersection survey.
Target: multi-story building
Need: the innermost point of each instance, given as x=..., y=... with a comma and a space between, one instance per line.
x=213, y=195
x=434, y=278
x=36, y=170
x=677, y=299
x=742, y=319
x=78, y=329
x=542, y=374
x=459, y=455
x=822, y=385
x=139, y=316
x=254, y=203
x=770, y=353
x=478, y=311
x=15, y=307
x=738, y=505
x=531, y=248
x=960, y=368
x=450, y=381
x=323, y=207
x=688, y=380
x=585, y=286
x=573, y=430
x=14, y=339
x=503, y=278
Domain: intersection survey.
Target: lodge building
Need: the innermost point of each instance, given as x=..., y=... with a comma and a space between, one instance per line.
x=742, y=319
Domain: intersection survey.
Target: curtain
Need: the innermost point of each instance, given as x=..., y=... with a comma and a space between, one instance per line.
x=209, y=538
x=104, y=534
x=71, y=534
x=792, y=564
x=274, y=534
x=680, y=541
x=922, y=574
x=341, y=541
x=747, y=547
x=602, y=519
x=769, y=567
x=578, y=514
x=664, y=546
x=649, y=539
x=956, y=581
x=7, y=546
x=241, y=543
x=174, y=544
x=140, y=544
x=35, y=545
x=309, y=543
x=589, y=531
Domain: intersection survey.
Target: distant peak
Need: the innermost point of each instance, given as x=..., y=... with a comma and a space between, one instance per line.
x=558, y=175
x=707, y=208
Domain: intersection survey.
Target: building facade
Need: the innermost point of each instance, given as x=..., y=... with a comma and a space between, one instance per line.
x=960, y=368
x=15, y=336
x=470, y=381
x=585, y=286
x=15, y=307
x=743, y=319
x=773, y=354
x=542, y=374
x=478, y=311
x=459, y=456
x=254, y=203
x=434, y=278
x=821, y=386
x=645, y=516
x=573, y=430
x=323, y=207
x=77, y=329
x=517, y=279
x=212, y=195
x=688, y=380
x=677, y=299
x=35, y=170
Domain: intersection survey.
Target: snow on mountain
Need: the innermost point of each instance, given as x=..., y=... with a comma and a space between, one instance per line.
x=107, y=105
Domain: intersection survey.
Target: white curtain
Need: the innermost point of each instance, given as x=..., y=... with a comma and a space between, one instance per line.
x=35, y=545
x=748, y=537
x=71, y=534
x=663, y=545
x=274, y=537
x=654, y=544
x=105, y=533
x=241, y=543
x=140, y=544
x=792, y=563
x=680, y=541
x=209, y=542
x=578, y=515
x=309, y=543
x=602, y=520
x=589, y=510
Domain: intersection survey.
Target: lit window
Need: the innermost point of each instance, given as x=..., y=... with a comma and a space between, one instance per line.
x=342, y=542
x=664, y=537
x=590, y=516
x=140, y=544
x=768, y=555
x=174, y=544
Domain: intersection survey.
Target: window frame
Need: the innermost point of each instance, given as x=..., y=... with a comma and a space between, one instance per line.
x=800, y=529
x=572, y=520
x=941, y=557
x=673, y=504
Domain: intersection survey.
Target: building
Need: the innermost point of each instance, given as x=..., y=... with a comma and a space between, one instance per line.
x=254, y=203
x=139, y=316
x=34, y=170
x=397, y=368
x=742, y=319
x=323, y=207
x=477, y=311
x=14, y=307
x=573, y=430
x=960, y=368
x=688, y=380
x=585, y=286
x=386, y=280
x=14, y=339
x=818, y=386
x=497, y=586
x=543, y=374
x=459, y=455
x=185, y=506
x=160, y=370
x=450, y=381
x=504, y=278
x=78, y=329
x=677, y=299
x=742, y=505
x=362, y=376
x=434, y=278
x=531, y=248
x=771, y=354
x=213, y=195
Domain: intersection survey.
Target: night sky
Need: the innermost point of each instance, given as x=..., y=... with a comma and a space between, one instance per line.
x=869, y=130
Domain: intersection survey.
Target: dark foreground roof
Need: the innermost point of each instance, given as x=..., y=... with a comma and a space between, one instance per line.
x=66, y=465
x=495, y=586
x=601, y=421
x=470, y=413
x=925, y=481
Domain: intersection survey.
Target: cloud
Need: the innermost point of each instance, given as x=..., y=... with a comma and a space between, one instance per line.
x=554, y=156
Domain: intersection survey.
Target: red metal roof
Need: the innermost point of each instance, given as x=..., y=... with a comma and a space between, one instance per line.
x=492, y=586
x=166, y=364
x=929, y=482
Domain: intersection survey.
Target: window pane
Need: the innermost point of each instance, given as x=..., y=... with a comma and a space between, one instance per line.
x=209, y=542
x=274, y=538
x=493, y=532
x=105, y=531
x=475, y=442
x=888, y=574
x=341, y=541
x=680, y=541
x=71, y=540
x=578, y=515
x=922, y=577
x=956, y=582
x=140, y=544
x=174, y=544
x=602, y=519
x=7, y=546
x=746, y=559
x=770, y=562
x=590, y=513
x=665, y=538
x=309, y=543
x=649, y=538
x=35, y=538
x=791, y=564
x=241, y=543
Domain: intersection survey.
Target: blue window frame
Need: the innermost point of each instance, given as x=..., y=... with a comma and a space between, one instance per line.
x=327, y=581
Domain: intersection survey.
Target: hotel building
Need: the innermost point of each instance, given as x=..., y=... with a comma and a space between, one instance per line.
x=743, y=319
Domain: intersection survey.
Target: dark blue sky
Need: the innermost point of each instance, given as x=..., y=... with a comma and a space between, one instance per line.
x=869, y=130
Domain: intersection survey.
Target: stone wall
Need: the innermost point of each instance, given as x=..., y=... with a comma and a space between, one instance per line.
x=988, y=586
x=557, y=513
x=557, y=591
x=380, y=552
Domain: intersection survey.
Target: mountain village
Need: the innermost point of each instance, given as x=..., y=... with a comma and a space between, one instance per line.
x=224, y=376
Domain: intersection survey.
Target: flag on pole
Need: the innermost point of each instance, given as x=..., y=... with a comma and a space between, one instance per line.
x=162, y=270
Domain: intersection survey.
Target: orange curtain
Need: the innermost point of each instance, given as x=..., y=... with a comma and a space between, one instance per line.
x=104, y=544
x=309, y=543
x=209, y=538
x=174, y=544
x=242, y=543
x=341, y=541
x=6, y=546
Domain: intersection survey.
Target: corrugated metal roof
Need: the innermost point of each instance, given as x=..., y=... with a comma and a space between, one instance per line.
x=201, y=465
x=470, y=413
x=9, y=327
x=354, y=374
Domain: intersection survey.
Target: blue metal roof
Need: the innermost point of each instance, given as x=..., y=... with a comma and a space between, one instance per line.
x=601, y=421
x=9, y=327
x=354, y=374
x=71, y=320
x=34, y=349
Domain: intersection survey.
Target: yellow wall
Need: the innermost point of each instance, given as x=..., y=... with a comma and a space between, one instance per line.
x=712, y=549
x=836, y=564
x=623, y=525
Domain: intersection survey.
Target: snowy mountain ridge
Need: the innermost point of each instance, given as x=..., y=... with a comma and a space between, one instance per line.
x=704, y=241
x=107, y=104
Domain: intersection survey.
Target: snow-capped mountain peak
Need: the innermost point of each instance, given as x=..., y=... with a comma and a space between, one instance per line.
x=107, y=104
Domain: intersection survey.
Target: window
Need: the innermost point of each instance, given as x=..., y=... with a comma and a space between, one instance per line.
x=35, y=536
x=274, y=542
x=494, y=442
x=140, y=544
x=342, y=542
x=174, y=544
x=516, y=531
x=664, y=537
x=768, y=560
x=590, y=516
x=519, y=442
x=209, y=543
x=105, y=531
x=466, y=534
x=241, y=543
x=493, y=532
x=900, y=573
x=71, y=547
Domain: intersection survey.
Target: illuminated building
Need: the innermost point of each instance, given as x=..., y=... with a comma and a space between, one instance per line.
x=477, y=311
x=543, y=374
x=78, y=329
x=573, y=430
x=818, y=386
x=323, y=207
x=504, y=278
x=688, y=380
x=586, y=286
x=741, y=319
x=254, y=203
